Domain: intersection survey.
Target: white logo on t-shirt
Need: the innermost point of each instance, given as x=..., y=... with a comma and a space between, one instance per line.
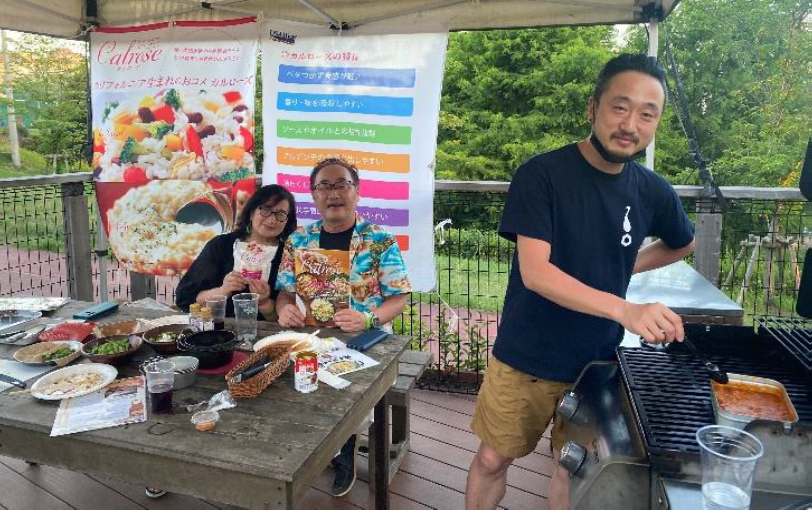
x=626, y=240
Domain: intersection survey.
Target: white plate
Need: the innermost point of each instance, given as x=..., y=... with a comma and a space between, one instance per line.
x=167, y=320
x=286, y=336
x=76, y=347
x=107, y=372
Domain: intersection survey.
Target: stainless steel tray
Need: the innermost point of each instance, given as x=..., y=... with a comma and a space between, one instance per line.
x=12, y=318
x=740, y=421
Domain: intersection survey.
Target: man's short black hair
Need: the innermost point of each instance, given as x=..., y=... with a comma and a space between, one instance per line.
x=340, y=161
x=629, y=62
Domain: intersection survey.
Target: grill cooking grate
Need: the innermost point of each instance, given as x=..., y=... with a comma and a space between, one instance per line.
x=794, y=334
x=672, y=396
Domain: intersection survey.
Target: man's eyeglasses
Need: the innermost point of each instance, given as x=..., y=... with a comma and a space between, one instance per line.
x=266, y=212
x=340, y=186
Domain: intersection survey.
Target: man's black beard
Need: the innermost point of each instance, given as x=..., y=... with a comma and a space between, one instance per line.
x=613, y=158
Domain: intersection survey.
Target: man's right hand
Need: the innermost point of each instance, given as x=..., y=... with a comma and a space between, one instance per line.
x=654, y=322
x=290, y=316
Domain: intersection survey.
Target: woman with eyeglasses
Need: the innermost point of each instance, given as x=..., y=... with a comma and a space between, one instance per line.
x=267, y=219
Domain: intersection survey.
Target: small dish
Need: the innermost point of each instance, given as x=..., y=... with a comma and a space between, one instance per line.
x=118, y=358
x=152, y=337
x=34, y=354
x=205, y=420
x=185, y=371
x=106, y=374
x=128, y=327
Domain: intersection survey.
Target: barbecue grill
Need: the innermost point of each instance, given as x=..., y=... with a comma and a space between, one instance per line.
x=632, y=423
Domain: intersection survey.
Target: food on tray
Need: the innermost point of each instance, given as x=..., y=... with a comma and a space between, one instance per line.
x=167, y=337
x=72, y=384
x=112, y=347
x=322, y=309
x=175, y=134
x=143, y=230
x=59, y=353
x=43, y=352
x=750, y=399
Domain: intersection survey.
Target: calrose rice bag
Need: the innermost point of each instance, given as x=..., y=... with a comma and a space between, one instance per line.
x=253, y=260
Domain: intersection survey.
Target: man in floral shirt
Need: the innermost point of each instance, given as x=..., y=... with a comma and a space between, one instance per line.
x=379, y=284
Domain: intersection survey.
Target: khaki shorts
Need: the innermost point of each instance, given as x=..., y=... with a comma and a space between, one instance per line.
x=513, y=410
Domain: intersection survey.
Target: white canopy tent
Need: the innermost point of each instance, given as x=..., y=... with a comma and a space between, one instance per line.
x=71, y=18
x=74, y=18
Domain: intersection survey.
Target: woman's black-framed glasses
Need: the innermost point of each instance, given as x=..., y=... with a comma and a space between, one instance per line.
x=266, y=212
x=341, y=186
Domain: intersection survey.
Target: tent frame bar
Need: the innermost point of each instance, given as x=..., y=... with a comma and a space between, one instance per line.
x=437, y=7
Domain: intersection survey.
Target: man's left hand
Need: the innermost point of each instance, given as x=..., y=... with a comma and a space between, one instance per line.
x=350, y=320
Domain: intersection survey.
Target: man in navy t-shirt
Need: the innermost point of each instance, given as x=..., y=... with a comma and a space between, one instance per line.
x=578, y=216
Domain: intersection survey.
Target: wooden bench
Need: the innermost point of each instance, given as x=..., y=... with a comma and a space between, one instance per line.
x=411, y=366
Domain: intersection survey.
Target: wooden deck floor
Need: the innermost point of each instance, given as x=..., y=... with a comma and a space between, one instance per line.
x=431, y=476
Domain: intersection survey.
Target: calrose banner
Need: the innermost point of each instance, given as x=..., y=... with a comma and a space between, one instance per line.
x=373, y=99
x=173, y=136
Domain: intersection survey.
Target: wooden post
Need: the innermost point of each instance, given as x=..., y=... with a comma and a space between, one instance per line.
x=379, y=454
x=142, y=286
x=707, y=255
x=76, y=218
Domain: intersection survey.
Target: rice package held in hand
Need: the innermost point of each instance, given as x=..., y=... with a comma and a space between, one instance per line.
x=253, y=260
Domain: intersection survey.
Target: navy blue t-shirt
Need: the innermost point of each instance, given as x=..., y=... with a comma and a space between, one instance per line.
x=595, y=223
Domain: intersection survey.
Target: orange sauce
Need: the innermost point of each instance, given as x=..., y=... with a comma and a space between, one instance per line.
x=754, y=400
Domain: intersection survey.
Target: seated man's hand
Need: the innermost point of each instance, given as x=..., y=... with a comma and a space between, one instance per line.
x=350, y=320
x=260, y=287
x=233, y=282
x=655, y=322
x=290, y=316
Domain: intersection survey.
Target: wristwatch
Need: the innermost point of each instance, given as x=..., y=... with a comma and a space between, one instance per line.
x=372, y=320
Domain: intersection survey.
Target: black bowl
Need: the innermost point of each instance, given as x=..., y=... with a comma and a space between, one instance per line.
x=213, y=348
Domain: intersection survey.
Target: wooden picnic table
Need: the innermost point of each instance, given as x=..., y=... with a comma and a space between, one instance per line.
x=265, y=453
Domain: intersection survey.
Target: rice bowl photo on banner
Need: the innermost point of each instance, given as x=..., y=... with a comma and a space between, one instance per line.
x=173, y=136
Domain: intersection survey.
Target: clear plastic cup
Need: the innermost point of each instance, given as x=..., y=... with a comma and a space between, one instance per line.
x=160, y=386
x=729, y=458
x=217, y=305
x=245, y=313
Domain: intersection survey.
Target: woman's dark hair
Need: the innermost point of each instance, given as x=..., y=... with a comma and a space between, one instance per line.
x=271, y=195
x=629, y=62
x=340, y=161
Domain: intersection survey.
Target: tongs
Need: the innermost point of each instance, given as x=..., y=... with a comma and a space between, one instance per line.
x=16, y=336
x=713, y=369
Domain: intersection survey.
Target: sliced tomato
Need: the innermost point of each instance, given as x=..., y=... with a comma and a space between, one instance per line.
x=135, y=174
x=194, y=141
x=232, y=96
x=247, y=139
x=164, y=113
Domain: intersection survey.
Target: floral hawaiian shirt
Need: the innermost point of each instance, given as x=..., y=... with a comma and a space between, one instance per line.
x=377, y=270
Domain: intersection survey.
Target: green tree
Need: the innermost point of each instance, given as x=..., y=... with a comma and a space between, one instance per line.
x=509, y=94
x=745, y=68
x=53, y=81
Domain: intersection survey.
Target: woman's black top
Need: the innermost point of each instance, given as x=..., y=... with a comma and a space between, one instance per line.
x=210, y=269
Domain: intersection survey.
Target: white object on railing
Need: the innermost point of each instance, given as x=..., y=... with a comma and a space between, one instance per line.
x=441, y=228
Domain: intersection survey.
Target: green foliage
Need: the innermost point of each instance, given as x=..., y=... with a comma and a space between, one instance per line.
x=509, y=94
x=52, y=80
x=745, y=70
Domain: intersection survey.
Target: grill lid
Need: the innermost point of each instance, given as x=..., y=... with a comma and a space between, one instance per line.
x=794, y=334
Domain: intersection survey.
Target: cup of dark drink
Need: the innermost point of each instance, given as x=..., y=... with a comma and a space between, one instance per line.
x=160, y=381
x=217, y=305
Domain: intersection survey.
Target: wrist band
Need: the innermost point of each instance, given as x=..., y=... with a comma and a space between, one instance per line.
x=367, y=320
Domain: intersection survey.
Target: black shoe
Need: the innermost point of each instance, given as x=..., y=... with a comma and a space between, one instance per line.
x=344, y=466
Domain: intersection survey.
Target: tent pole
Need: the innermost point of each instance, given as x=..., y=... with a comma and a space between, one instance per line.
x=653, y=44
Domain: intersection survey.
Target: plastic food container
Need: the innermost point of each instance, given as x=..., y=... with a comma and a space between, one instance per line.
x=756, y=385
x=205, y=420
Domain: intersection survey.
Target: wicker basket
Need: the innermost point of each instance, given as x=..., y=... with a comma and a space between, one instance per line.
x=279, y=357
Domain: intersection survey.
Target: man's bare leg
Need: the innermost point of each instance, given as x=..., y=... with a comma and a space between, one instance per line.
x=558, y=496
x=487, y=479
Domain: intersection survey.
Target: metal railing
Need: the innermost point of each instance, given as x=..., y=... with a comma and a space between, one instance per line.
x=753, y=251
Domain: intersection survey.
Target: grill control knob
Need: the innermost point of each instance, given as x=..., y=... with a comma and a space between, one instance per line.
x=568, y=405
x=572, y=457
